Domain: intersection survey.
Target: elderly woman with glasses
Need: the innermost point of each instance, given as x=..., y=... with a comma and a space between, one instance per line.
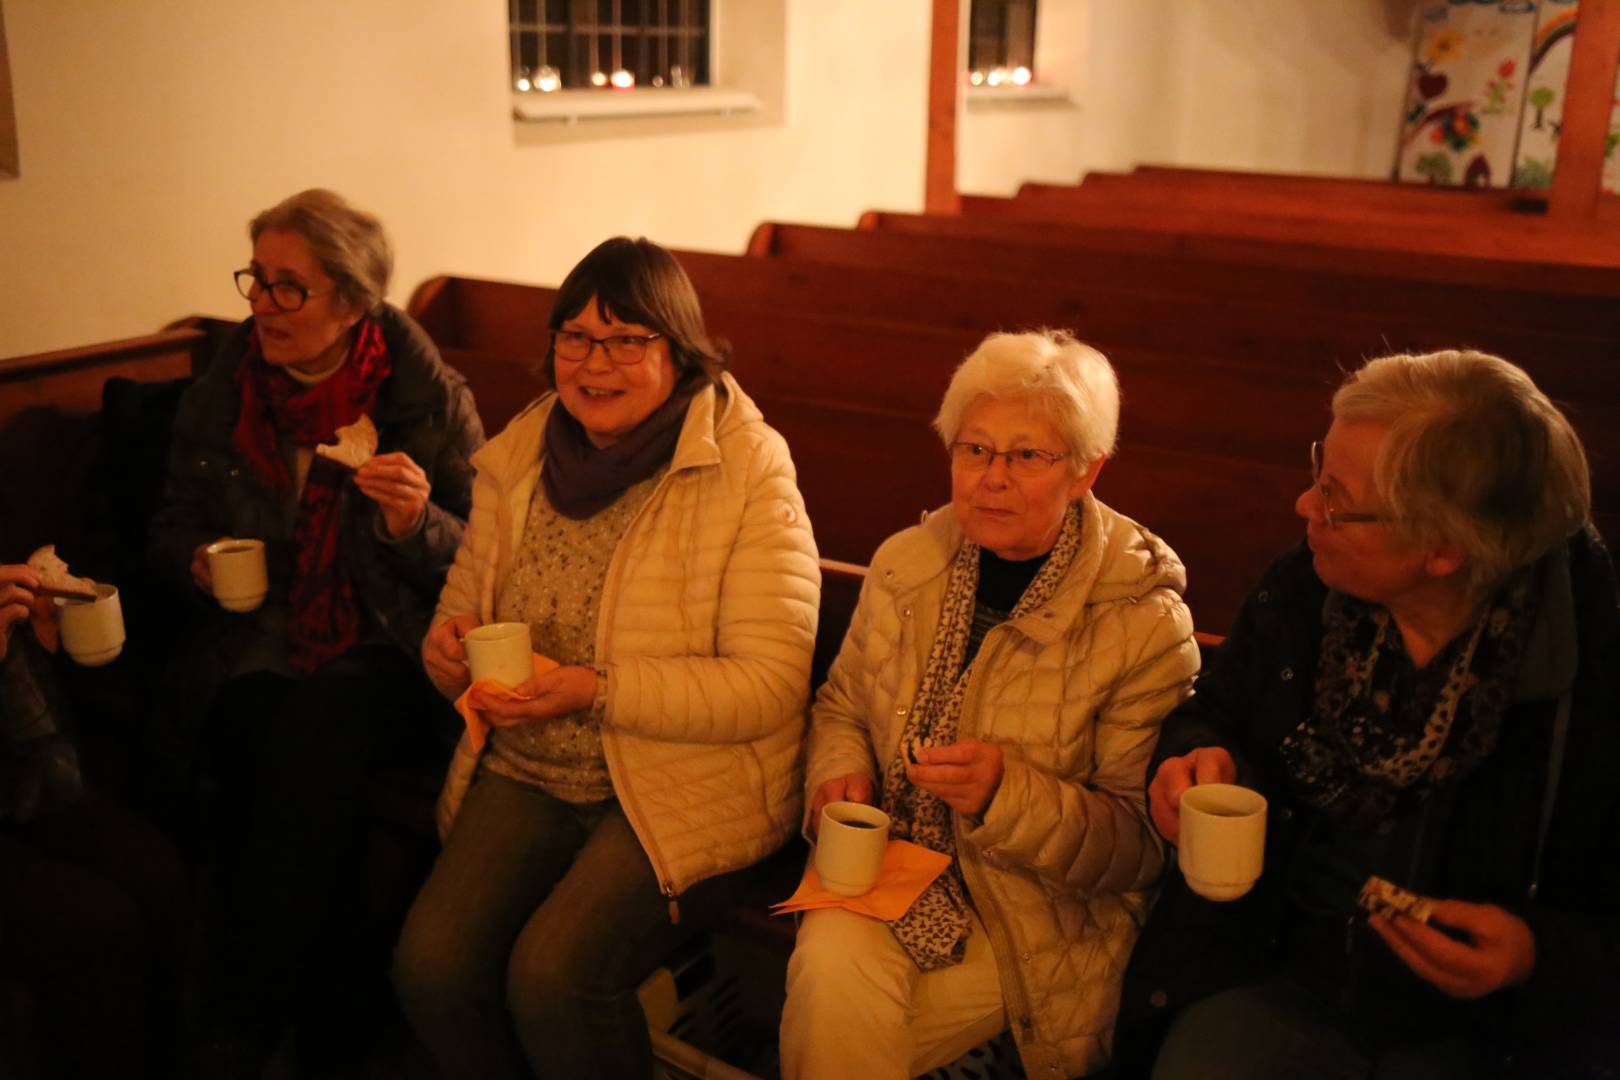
x=644, y=522
x=320, y=686
x=998, y=695
x=1425, y=692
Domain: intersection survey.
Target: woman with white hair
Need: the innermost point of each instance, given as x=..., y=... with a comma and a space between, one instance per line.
x=998, y=695
x=1424, y=691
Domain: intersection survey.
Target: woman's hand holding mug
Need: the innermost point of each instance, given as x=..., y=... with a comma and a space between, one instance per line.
x=555, y=693
x=851, y=787
x=200, y=573
x=1204, y=765
x=445, y=657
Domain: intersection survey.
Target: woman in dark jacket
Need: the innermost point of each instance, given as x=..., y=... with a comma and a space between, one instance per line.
x=1425, y=691
x=319, y=689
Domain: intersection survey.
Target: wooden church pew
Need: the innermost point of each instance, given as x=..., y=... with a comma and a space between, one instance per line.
x=1382, y=194
x=1556, y=250
x=1214, y=192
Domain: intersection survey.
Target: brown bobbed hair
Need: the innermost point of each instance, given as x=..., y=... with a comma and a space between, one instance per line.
x=636, y=281
x=349, y=243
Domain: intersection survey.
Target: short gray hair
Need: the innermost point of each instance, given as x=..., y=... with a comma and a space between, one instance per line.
x=350, y=244
x=1476, y=455
x=1066, y=381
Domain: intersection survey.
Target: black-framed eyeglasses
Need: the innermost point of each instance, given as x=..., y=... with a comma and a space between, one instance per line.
x=286, y=295
x=1025, y=461
x=1335, y=518
x=623, y=349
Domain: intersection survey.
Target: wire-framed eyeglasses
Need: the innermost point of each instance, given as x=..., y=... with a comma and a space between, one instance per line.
x=1335, y=518
x=623, y=349
x=286, y=295
x=1024, y=461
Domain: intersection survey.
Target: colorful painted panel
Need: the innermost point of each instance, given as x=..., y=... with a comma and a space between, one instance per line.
x=1486, y=90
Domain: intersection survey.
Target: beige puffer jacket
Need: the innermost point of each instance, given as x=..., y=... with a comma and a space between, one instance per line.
x=708, y=620
x=1074, y=694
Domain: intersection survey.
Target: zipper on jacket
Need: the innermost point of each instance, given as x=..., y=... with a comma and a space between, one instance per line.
x=610, y=742
x=674, y=903
x=1011, y=974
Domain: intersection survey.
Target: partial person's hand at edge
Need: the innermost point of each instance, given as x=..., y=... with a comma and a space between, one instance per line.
x=1204, y=765
x=17, y=599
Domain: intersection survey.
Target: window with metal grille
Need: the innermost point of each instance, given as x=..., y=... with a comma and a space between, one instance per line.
x=1001, y=42
x=615, y=44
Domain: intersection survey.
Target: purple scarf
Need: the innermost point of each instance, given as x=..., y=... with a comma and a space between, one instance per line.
x=581, y=479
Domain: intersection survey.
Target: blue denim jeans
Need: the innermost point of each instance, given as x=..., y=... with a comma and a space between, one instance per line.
x=531, y=935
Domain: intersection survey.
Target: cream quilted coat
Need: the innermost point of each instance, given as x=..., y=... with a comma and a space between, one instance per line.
x=1059, y=866
x=708, y=619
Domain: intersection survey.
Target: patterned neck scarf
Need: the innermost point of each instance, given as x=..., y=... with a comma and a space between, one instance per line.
x=1382, y=734
x=323, y=614
x=934, y=930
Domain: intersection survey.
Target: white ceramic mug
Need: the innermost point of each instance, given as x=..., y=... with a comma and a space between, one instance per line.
x=240, y=579
x=1223, y=839
x=500, y=651
x=849, y=847
x=92, y=630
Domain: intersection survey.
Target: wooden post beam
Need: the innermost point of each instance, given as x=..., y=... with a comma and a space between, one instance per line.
x=1588, y=104
x=944, y=84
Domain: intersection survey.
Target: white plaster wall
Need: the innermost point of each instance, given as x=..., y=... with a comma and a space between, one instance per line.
x=151, y=130
x=1308, y=86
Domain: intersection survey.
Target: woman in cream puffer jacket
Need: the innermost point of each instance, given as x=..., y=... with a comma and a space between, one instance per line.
x=1065, y=694
x=707, y=627
x=643, y=526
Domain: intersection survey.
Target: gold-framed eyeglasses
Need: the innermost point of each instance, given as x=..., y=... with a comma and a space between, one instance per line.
x=622, y=349
x=286, y=295
x=1024, y=461
x=1335, y=518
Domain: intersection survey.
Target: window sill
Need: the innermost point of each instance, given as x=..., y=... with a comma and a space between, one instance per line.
x=575, y=106
x=1035, y=95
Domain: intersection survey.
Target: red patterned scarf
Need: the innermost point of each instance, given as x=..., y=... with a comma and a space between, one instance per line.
x=324, y=615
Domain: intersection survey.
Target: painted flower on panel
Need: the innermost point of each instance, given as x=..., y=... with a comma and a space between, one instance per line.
x=1460, y=131
x=1443, y=47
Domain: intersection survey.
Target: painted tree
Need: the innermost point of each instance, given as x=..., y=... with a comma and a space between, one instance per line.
x=1436, y=167
x=1540, y=98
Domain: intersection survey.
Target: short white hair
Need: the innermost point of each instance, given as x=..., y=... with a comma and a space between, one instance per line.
x=1067, y=382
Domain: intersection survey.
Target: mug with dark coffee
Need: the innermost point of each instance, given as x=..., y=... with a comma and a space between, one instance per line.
x=850, y=843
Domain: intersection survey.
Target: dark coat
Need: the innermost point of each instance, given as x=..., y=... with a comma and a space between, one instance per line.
x=423, y=408
x=1484, y=849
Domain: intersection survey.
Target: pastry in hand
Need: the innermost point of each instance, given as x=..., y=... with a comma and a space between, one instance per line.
x=356, y=443
x=53, y=573
x=1386, y=898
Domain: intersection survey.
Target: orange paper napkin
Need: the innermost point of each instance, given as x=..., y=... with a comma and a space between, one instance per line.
x=477, y=726
x=908, y=869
